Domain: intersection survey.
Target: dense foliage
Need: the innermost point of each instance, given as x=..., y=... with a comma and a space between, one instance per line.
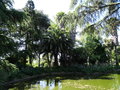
x=30, y=41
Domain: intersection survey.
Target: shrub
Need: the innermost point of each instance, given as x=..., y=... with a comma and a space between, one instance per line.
x=6, y=70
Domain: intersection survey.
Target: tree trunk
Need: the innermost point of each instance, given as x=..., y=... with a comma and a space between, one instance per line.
x=48, y=60
x=30, y=60
x=56, y=60
x=116, y=58
x=39, y=61
x=24, y=60
x=88, y=60
x=63, y=59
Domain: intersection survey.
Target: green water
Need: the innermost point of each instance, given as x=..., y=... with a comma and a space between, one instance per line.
x=111, y=82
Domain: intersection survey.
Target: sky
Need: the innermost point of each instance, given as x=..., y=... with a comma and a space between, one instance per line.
x=49, y=7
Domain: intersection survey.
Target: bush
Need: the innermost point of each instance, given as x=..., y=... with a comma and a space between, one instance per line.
x=96, y=68
x=79, y=55
x=6, y=70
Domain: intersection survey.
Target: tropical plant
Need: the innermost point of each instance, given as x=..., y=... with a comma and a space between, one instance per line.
x=67, y=22
x=57, y=43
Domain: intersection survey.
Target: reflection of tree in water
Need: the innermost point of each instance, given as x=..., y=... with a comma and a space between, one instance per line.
x=116, y=82
x=39, y=85
x=110, y=82
x=50, y=83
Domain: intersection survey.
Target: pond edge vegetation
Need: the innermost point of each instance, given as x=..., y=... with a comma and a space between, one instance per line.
x=83, y=72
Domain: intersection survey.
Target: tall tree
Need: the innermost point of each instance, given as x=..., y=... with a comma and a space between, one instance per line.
x=67, y=22
x=8, y=13
x=30, y=31
x=94, y=12
x=9, y=17
x=57, y=42
x=97, y=14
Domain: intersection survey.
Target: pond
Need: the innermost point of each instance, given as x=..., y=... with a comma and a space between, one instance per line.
x=110, y=82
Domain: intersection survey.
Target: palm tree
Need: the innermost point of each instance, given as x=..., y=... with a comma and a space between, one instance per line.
x=67, y=22
x=57, y=43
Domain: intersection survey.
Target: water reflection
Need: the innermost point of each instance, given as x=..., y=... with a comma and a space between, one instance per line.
x=50, y=83
x=111, y=82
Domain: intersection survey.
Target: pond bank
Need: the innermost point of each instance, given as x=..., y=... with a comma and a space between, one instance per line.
x=54, y=74
x=30, y=73
x=105, y=82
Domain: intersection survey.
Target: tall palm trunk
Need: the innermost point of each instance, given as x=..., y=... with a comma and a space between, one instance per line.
x=56, y=60
x=30, y=60
x=48, y=60
x=39, y=61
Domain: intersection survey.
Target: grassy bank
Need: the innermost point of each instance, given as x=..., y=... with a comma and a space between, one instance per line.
x=11, y=74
